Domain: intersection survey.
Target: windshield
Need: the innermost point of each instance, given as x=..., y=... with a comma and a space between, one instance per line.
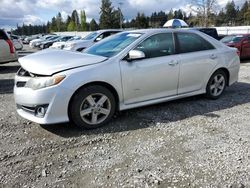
x=113, y=45
x=74, y=38
x=232, y=39
x=90, y=36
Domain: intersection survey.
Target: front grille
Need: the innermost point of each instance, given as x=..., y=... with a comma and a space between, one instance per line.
x=27, y=108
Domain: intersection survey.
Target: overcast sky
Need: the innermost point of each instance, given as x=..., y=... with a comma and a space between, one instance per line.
x=14, y=12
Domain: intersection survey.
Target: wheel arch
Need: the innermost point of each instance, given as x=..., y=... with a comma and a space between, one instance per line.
x=226, y=71
x=99, y=83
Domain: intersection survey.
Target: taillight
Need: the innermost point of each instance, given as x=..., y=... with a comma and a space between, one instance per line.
x=10, y=43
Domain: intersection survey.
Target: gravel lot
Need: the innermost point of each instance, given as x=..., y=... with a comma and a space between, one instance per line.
x=192, y=142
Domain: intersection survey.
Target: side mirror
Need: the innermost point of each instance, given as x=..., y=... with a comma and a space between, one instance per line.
x=135, y=55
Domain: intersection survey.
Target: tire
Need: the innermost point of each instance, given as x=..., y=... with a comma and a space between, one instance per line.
x=91, y=107
x=216, y=85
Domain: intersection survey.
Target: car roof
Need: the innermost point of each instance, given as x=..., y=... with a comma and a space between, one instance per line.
x=105, y=30
x=159, y=30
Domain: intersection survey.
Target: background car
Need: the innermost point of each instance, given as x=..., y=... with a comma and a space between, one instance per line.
x=241, y=42
x=61, y=44
x=30, y=38
x=127, y=70
x=36, y=42
x=7, y=48
x=17, y=42
x=90, y=39
x=47, y=43
x=209, y=31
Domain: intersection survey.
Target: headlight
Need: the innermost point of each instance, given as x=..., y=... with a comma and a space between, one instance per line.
x=42, y=82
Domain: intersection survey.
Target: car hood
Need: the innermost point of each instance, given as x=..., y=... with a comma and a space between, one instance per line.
x=50, y=61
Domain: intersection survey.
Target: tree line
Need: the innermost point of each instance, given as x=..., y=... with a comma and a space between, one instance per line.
x=203, y=14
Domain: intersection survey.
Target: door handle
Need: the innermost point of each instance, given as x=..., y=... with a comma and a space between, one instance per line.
x=213, y=56
x=173, y=63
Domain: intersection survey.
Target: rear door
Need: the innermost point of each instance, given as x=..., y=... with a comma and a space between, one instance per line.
x=4, y=47
x=197, y=59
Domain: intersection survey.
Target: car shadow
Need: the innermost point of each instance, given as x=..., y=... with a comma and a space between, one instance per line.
x=244, y=61
x=8, y=69
x=173, y=111
x=6, y=86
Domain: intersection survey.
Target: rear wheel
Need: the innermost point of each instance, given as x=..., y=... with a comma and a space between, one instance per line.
x=92, y=107
x=216, y=85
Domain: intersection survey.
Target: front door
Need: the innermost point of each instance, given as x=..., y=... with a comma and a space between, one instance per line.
x=154, y=77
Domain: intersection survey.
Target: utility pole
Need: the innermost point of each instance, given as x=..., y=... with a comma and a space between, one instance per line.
x=120, y=7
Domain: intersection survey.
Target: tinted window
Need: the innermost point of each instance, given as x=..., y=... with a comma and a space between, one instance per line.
x=3, y=35
x=157, y=45
x=190, y=42
x=210, y=32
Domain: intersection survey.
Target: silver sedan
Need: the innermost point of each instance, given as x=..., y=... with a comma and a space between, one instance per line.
x=128, y=70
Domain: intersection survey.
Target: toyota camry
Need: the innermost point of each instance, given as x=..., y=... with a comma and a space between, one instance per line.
x=127, y=70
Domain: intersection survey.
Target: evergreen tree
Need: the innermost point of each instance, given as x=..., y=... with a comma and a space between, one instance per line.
x=231, y=13
x=53, y=25
x=59, y=22
x=75, y=19
x=83, y=21
x=106, y=14
x=93, y=26
x=141, y=21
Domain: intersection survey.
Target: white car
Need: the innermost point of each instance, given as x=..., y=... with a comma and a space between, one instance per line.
x=35, y=42
x=89, y=40
x=128, y=70
x=17, y=42
x=60, y=45
x=7, y=48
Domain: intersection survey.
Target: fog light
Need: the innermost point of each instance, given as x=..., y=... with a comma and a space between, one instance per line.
x=41, y=111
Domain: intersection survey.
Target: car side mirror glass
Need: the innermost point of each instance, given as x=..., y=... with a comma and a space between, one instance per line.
x=135, y=55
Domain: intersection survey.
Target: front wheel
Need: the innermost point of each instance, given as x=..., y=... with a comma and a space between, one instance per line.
x=216, y=85
x=92, y=107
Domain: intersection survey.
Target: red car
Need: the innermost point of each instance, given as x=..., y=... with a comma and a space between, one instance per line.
x=241, y=42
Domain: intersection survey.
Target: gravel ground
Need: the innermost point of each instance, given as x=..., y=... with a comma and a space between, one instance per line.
x=192, y=142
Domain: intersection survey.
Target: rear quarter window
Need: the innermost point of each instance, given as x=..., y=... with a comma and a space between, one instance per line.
x=3, y=35
x=190, y=42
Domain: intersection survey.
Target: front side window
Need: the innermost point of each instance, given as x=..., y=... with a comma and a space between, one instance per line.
x=190, y=42
x=90, y=36
x=157, y=45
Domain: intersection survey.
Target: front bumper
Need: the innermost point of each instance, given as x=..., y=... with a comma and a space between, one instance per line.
x=55, y=99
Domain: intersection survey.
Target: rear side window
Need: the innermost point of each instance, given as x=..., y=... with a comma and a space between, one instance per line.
x=210, y=32
x=157, y=45
x=3, y=36
x=190, y=42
